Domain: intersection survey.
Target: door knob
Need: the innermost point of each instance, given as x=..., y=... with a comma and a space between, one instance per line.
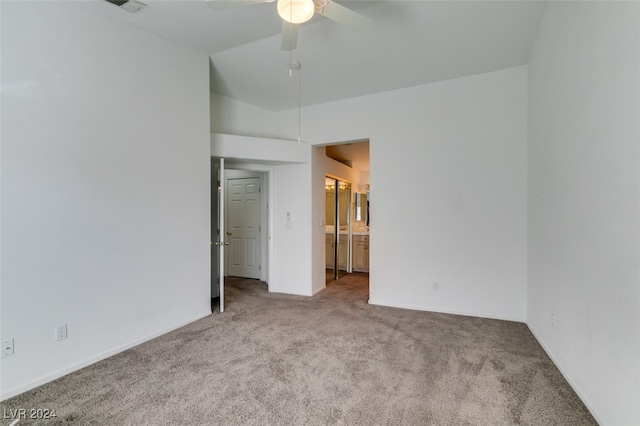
x=229, y=233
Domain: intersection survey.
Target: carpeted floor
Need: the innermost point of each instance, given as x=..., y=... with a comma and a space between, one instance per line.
x=272, y=359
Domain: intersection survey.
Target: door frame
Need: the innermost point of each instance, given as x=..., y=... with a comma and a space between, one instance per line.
x=267, y=220
x=265, y=173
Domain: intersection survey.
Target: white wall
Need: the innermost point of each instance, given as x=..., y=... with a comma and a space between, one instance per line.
x=448, y=189
x=230, y=116
x=584, y=188
x=105, y=188
x=335, y=168
x=318, y=229
x=292, y=241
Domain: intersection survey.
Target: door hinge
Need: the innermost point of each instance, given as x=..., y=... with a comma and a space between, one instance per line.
x=259, y=228
x=259, y=267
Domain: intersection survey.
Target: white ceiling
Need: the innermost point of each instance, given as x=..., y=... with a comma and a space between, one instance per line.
x=411, y=43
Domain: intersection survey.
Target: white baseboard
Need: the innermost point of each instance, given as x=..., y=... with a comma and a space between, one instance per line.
x=63, y=372
x=318, y=290
x=444, y=311
x=573, y=385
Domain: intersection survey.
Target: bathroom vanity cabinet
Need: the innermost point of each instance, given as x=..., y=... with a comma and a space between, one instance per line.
x=361, y=253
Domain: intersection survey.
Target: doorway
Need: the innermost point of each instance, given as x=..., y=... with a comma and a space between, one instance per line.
x=347, y=162
x=240, y=223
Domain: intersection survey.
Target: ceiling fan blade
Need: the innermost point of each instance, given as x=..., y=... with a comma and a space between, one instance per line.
x=345, y=16
x=228, y=4
x=289, y=35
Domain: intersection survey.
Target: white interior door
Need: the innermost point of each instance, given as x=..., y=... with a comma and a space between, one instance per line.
x=243, y=227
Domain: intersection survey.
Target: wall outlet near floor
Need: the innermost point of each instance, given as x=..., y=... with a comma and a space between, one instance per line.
x=7, y=347
x=553, y=319
x=435, y=285
x=61, y=332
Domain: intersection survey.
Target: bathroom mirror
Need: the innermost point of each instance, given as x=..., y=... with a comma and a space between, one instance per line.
x=330, y=191
x=362, y=208
x=343, y=201
x=338, y=213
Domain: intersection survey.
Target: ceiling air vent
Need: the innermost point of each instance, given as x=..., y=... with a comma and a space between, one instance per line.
x=129, y=5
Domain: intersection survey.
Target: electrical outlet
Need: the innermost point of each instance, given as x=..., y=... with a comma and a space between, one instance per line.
x=61, y=332
x=553, y=319
x=7, y=347
x=435, y=285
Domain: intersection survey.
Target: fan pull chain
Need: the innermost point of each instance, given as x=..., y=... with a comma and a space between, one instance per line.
x=290, y=62
x=299, y=102
x=297, y=67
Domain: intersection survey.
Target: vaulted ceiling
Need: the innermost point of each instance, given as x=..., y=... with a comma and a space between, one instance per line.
x=411, y=43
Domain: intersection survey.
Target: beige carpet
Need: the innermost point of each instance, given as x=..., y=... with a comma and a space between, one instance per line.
x=272, y=359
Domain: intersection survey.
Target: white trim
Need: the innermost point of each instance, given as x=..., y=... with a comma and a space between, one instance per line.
x=222, y=229
x=75, y=367
x=445, y=311
x=573, y=385
x=319, y=290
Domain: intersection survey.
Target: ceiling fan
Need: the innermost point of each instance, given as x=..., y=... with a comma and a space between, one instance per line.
x=296, y=12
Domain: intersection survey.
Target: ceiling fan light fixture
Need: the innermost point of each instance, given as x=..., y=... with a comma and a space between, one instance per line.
x=295, y=11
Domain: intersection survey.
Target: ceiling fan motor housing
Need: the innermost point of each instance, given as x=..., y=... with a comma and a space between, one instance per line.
x=295, y=11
